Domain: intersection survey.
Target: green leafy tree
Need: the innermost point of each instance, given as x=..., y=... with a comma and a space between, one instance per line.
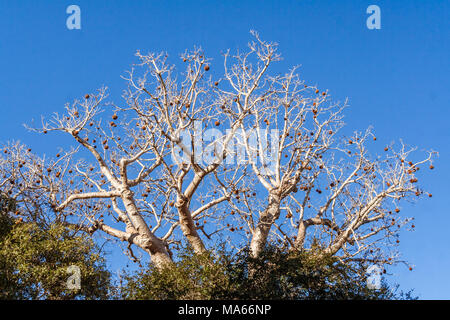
x=293, y=275
x=275, y=274
x=192, y=276
x=34, y=259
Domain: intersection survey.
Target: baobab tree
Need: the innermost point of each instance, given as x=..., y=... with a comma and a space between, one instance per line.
x=192, y=156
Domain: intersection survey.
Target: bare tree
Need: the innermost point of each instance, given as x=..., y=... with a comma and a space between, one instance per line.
x=319, y=180
x=248, y=156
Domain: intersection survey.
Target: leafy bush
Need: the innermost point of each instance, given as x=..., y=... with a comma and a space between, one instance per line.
x=34, y=260
x=276, y=274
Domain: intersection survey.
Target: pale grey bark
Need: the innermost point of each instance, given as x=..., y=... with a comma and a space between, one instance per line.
x=266, y=220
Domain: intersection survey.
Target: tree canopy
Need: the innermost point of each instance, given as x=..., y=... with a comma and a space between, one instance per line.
x=34, y=262
x=275, y=274
x=195, y=153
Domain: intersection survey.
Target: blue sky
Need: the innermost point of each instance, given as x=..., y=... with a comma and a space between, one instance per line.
x=396, y=78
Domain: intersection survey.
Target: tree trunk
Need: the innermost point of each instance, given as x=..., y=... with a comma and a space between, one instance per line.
x=301, y=234
x=267, y=218
x=161, y=258
x=150, y=243
x=188, y=227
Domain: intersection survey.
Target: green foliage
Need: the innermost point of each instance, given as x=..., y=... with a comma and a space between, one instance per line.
x=6, y=222
x=276, y=274
x=34, y=261
x=191, y=277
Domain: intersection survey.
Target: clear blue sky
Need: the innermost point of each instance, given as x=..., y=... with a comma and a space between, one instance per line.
x=396, y=78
